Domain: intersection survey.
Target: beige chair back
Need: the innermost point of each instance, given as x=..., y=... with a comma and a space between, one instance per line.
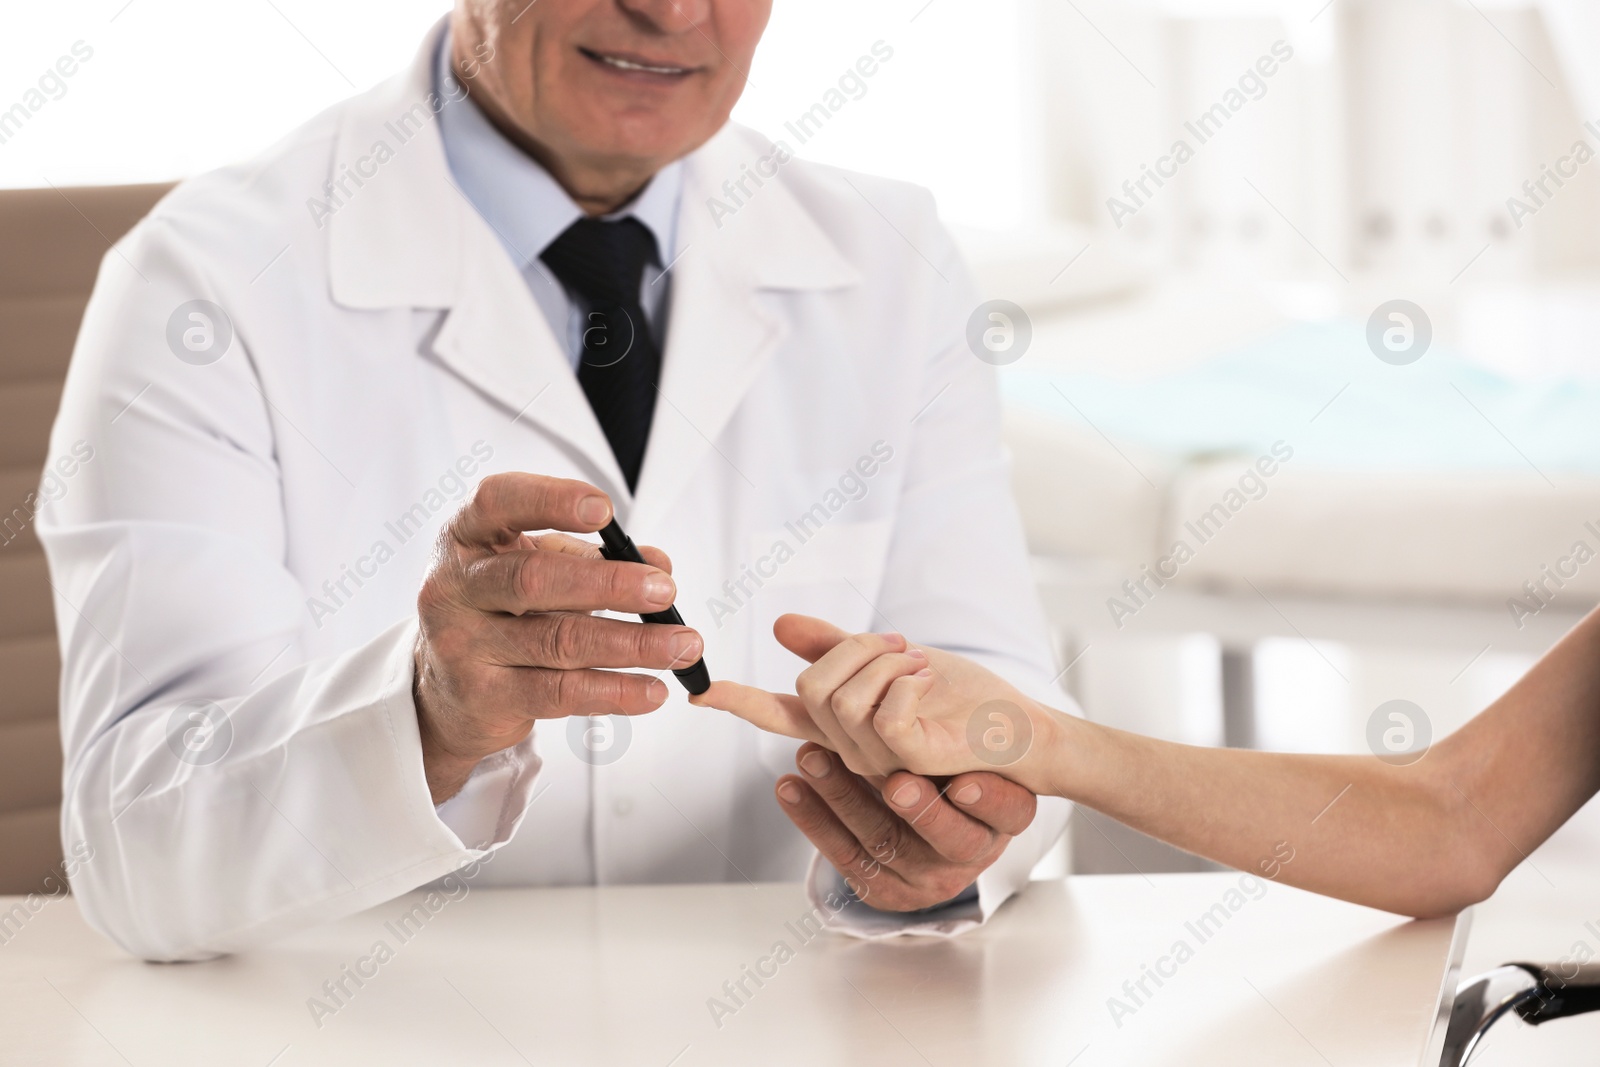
x=51, y=243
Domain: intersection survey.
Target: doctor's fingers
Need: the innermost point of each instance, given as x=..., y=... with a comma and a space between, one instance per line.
x=540, y=693
x=523, y=580
x=953, y=834
x=577, y=546
x=993, y=800
x=504, y=505
x=872, y=867
x=857, y=805
x=565, y=641
x=870, y=879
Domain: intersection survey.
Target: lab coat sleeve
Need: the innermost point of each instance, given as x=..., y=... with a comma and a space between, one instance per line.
x=225, y=785
x=958, y=575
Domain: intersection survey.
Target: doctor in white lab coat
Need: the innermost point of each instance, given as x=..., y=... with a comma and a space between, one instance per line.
x=298, y=371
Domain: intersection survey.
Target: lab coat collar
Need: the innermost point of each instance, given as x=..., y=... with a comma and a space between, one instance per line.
x=520, y=200
x=405, y=236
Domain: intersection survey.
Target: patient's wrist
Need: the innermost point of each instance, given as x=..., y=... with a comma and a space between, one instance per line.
x=1063, y=746
x=1039, y=769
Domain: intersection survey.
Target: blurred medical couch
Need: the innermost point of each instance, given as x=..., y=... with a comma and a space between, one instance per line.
x=1319, y=492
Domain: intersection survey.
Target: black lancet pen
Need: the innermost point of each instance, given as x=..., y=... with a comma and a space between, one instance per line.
x=619, y=546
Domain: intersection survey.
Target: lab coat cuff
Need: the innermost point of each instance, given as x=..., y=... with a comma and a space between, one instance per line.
x=490, y=807
x=399, y=706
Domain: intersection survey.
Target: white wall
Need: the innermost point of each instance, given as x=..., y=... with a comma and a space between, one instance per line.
x=175, y=87
x=953, y=110
x=1387, y=147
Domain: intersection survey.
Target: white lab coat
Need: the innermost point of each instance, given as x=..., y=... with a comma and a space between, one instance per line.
x=252, y=532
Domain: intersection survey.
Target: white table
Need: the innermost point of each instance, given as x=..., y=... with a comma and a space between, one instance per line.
x=622, y=976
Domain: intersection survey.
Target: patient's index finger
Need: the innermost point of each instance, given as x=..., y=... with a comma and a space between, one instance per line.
x=772, y=712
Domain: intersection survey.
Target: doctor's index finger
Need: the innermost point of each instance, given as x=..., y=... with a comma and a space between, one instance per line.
x=504, y=505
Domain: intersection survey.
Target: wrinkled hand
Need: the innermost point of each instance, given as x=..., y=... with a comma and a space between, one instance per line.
x=901, y=841
x=506, y=632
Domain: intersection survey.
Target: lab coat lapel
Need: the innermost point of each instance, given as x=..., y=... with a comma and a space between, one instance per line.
x=405, y=236
x=718, y=339
x=727, y=319
x=497, y=338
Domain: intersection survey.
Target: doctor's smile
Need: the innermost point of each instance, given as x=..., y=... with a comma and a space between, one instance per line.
x=636, y=66
x=573, y=554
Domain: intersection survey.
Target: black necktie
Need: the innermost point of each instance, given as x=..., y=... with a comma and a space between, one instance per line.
x=603, y=264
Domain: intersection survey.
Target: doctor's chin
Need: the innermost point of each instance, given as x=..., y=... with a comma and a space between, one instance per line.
x=708, y=532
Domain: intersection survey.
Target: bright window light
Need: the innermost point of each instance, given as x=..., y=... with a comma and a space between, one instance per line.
x=171, y=88
x=950, y=110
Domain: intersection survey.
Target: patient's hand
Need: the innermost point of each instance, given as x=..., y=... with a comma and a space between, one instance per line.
x=901, y=841
x=885, y=704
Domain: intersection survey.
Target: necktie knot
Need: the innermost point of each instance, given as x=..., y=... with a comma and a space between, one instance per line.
x=603, y=261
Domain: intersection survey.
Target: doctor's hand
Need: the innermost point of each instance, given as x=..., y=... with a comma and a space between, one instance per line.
x=507, y=636
x=901, y=840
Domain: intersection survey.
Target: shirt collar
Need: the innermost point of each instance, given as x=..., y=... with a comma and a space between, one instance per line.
x=516, y=196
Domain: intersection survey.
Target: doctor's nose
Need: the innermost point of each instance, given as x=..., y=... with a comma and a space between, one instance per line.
x=670, y=16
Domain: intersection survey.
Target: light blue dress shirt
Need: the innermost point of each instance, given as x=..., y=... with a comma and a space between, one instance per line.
x=526, y=207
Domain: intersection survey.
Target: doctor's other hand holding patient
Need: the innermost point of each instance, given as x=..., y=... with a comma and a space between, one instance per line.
x=462, y=321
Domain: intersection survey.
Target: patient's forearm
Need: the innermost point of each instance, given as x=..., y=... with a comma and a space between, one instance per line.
x=1348, y=826
x=1424, y=839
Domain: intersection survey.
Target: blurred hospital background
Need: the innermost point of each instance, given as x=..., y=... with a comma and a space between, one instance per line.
x=1201, y=215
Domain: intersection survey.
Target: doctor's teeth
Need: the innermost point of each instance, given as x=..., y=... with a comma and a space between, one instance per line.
x=624, y=64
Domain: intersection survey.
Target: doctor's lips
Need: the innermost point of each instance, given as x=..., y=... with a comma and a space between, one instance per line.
x=639, y=68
